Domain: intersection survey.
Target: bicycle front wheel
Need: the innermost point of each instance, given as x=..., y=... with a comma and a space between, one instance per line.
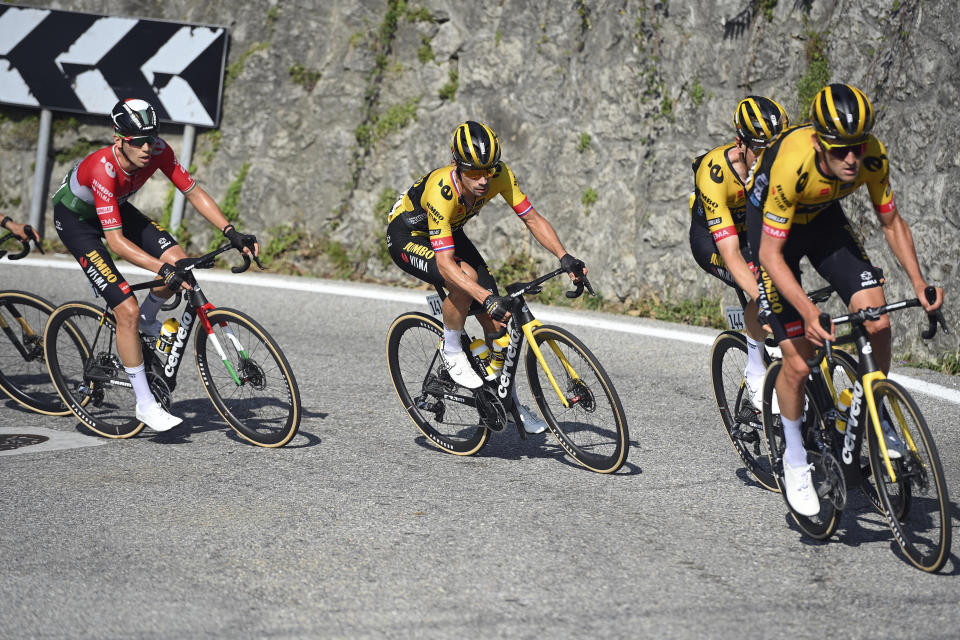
x=425, y=389
x=740, y=418
x=91, y=381
x=826, y=477
x=23, y=368
x=583, y=409
x=924, y=531
x=248, y=378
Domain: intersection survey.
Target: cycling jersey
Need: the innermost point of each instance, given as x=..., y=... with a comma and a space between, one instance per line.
x=434, y=206
x=97, y=185
x=790, y=188
x=720, y=204
x=788, y=191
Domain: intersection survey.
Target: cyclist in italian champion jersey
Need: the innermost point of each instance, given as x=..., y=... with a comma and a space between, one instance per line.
x=793, y=210
x=92, y=208
x=426, y=239
x=718, y=220
x=22, y=231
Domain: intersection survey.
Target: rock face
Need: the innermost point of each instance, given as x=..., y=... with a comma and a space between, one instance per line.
x=336, y=106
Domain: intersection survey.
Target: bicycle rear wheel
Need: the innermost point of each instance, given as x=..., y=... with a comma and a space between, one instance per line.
x=426, y=390
x=248, y=378
x=23, y=369
x=740, y=419
x=923, y=532
x=92, y=383
x=588, y=420
x=823, y=524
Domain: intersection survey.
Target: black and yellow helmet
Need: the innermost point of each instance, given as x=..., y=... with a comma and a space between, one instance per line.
x=841, y=115
x=475, y=146
x=758, y=120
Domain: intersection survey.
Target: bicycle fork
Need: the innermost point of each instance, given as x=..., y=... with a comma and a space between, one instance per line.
x=528, y=332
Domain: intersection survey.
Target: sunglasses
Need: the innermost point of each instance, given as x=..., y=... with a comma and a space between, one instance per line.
x=476, y=174
x=840, y=151
x=140, y=141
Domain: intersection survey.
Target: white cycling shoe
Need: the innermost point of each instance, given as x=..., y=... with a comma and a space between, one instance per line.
x=458, y=366
x=799, y=489
x=894, y=443
x=754, y=392
x=156, y=418
x=532, y=423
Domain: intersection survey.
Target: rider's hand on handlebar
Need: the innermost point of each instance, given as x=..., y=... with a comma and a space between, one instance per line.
x=927, y=305
x=814, y=332
x=497, y=307
x=576, y=268
x=173, y=279
x=244, y=242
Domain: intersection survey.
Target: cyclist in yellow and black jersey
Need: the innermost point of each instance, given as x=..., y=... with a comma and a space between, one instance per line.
x=426, y=239
x=718, y=217
x=793, y=210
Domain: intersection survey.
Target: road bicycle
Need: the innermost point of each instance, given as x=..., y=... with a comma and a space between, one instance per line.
x=912, y=488
x=242, y=368
x=742, y=420
x=570, y=387
x=23, y=372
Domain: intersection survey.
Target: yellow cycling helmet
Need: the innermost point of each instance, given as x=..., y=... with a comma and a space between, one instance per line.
x=475, y=146
x=758, y=120
x=841, y=115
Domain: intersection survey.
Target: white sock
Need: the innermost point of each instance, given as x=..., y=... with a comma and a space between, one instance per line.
x=755, y=366
x=795, y=455
x=149, y=308
x=138, y=377
x=451, y=341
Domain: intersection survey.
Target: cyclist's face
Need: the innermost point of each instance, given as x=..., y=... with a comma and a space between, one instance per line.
x=138, y=156
x=841, y=162
x=476, y=186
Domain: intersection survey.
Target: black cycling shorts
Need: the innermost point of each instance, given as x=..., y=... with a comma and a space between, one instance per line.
x=708, y=258
x=414, y=255
x=84, y=239
x=833, y=250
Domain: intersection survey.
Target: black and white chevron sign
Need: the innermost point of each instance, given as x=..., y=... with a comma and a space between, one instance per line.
x=83, y=62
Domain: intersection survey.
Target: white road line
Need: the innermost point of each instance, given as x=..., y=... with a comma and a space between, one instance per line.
x=374, y=292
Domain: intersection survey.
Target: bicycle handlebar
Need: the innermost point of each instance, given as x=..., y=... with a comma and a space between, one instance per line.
x=519, y=288
x=26, y=244
x=207, y=261
x=874, y=313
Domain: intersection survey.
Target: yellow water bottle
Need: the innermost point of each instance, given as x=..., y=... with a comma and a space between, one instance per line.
x=168, y=332
x=479, y=348
x=843, y=404
x=499, y=346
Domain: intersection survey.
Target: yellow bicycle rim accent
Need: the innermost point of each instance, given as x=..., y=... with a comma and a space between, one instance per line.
x=528, y=331
x=868, y=380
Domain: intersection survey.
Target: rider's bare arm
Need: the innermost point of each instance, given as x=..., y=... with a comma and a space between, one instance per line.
x=210, y=210
x=901, y=242
x=729, y=249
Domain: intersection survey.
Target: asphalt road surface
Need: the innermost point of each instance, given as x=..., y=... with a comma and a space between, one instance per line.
x=360, y=528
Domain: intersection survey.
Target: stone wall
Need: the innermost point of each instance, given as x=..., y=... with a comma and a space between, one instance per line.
x=336, y=105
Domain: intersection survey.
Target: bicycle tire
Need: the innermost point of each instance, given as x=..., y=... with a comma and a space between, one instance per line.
x=105, y=405
x=419, y=381
x=741, y=421
x=924, y=532
x=254, y=388
x=23, y=369
x=600, y=445
x=824, y=524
